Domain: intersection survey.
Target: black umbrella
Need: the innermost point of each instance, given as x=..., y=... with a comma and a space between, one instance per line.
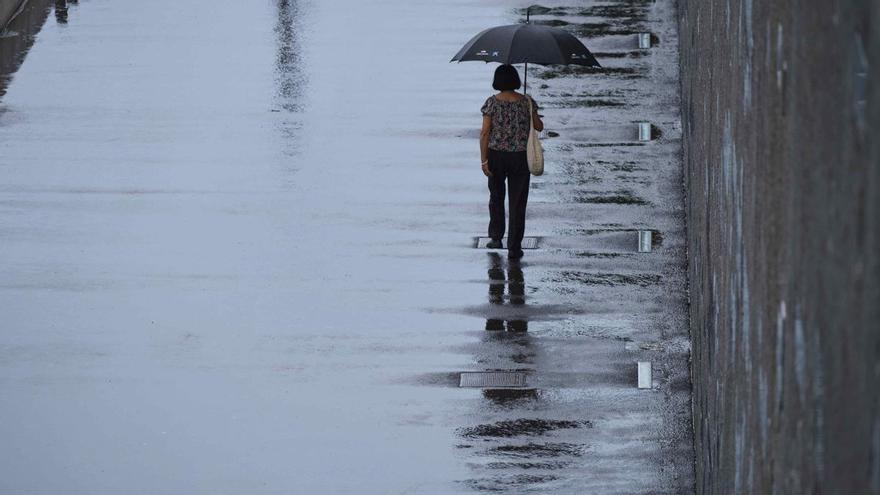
x=524, y=43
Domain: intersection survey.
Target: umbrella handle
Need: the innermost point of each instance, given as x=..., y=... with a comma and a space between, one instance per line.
x=526, y=70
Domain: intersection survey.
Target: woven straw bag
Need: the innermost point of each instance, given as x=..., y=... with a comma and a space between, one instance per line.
x=534, y=152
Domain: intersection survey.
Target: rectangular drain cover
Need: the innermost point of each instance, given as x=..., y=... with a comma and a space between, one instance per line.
x=493, y=379
x=527, y=242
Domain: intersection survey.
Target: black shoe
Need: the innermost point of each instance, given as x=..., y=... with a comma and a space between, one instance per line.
x=494, y=244
x=515, y=254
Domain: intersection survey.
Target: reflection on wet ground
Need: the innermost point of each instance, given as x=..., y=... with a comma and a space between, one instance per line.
x=511, y=459
x=290, y=79
x=516, y=295
x=61, y=10
x=517, y=340
x=289, y=72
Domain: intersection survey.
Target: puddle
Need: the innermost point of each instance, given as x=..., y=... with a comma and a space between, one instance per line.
x=551, y=465
x=538, y=450
x=589, y=173
x=642, y=181
x=548, y=22
x=625, y=167
x=645, y=346
x=583, y=103
x=591, y=93
x=594, y=29
x=542, y=10
x=636, y=10
x=584, y=99
x=599, y=255
x=608, y=145
x=609, y=279
x=510, y=397
x=633, y=54
x=608, y=27
x=502, y=484
x=518, y=427
x=632, y=12
x=523, y=357
x=576, y=70
x=619, y=197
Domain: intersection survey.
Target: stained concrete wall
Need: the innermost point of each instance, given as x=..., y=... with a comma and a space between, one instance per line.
x=19, y=37
x=781, y=115
x=8, y=8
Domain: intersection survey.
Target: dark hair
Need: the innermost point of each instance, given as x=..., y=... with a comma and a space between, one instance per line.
x=506, y=78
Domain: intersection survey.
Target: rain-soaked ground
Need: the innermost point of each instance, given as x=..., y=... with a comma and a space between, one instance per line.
x=238, y=255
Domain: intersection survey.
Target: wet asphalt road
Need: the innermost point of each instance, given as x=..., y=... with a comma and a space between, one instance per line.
x=237, y=256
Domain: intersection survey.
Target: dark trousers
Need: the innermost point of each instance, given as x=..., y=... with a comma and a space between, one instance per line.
x=513, y=167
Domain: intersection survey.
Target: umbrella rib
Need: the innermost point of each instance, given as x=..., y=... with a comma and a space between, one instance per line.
x=512, y=39
x=561, y=53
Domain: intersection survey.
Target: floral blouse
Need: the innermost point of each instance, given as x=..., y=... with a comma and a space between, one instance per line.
x=510, y=123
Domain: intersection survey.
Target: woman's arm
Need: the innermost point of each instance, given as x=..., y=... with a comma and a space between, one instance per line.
x=537, y=123
x=484, y=145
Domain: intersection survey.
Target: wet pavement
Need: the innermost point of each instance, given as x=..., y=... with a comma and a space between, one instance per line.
x=239, y=255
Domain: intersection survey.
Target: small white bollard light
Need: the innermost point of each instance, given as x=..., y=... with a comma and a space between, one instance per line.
x=644, y=131
x=645, y=238
x=645, y=374
x=644, y=40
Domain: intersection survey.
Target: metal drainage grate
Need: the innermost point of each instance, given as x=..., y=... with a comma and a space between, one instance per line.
x=493, y=379
x=527, y=242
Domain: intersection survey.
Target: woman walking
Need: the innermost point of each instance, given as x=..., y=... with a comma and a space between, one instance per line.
x=503, y=140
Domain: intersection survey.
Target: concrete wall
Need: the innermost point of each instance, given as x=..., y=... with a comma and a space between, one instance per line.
x=7, y=9
x=19, y=37
x=781, y=114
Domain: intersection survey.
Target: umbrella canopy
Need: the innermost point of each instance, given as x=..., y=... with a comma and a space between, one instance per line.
x=526, y=43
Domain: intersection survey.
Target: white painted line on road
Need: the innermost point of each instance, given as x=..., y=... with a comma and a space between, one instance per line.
x=645, y=374
x=644, y=40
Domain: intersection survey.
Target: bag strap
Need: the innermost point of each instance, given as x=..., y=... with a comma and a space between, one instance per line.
x=531, y=115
